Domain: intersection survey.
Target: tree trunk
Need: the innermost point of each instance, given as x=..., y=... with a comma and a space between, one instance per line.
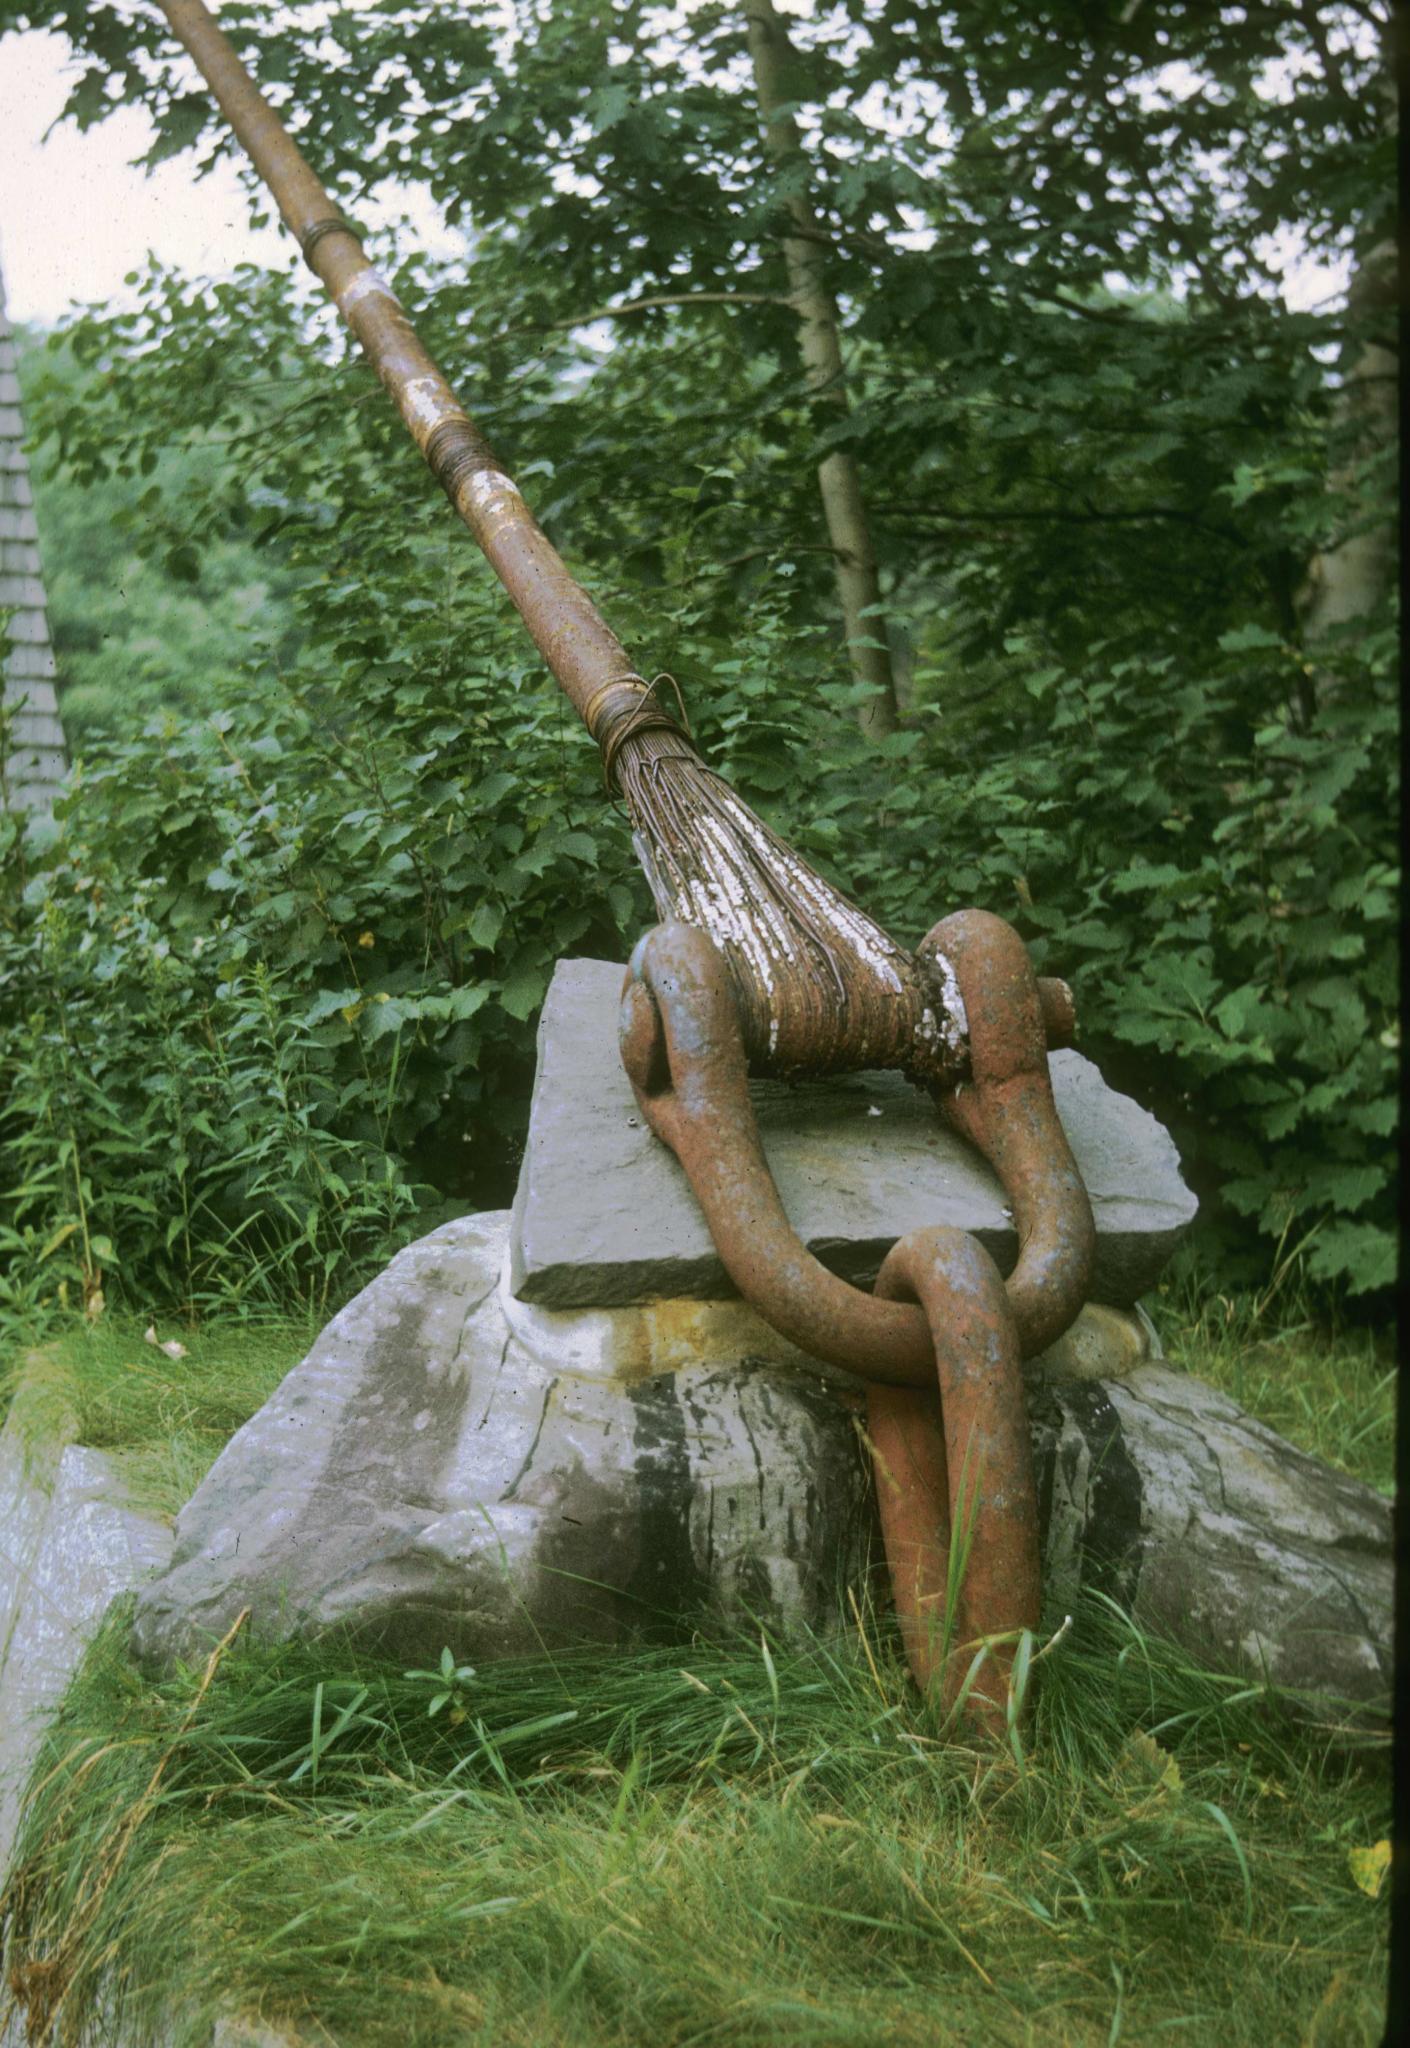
x=1348, y=578
x=1351, y=576
x=839, y=483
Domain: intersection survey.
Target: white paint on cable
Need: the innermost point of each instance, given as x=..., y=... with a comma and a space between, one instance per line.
x=368, y=284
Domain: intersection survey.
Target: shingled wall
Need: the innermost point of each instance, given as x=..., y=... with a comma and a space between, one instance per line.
x=33, y=762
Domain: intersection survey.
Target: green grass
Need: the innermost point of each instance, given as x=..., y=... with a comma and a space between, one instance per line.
x=713, y=1844
x=705, y=1845
x=1330, y=1391
x=164, y=1421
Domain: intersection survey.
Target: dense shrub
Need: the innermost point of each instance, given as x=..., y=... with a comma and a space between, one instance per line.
x=270, y=980
x=269, y=983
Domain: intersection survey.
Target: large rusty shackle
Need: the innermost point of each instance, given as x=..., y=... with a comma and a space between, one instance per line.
x=942, y=1318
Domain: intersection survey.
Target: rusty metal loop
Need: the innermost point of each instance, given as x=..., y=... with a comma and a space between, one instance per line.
x=684, y=1054
x=1006, y=1110
x=958, y=1471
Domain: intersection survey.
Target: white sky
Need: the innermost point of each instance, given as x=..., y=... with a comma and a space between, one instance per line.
x=76, y=215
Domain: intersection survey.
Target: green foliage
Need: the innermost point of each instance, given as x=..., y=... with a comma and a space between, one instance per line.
x=276, y=967
x=137, y=631
x=720, y=1840
x=277, y=963
x=1100, y=456
x=1226, y=892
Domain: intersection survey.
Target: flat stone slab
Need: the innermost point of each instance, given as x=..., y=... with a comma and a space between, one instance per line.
x=604, y=1216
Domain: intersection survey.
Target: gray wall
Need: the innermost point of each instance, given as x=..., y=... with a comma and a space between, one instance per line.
x=35, y=761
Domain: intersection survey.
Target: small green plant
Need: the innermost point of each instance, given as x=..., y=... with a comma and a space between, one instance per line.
x=452, y=1682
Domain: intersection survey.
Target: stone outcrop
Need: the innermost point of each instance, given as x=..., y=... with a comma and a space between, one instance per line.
x=1214, y=1532
x=450, y=1466
x=69, y=1545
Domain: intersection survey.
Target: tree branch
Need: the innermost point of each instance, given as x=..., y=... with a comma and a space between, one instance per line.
x=861, y=238
x=1331, y=68
x=1064, y=515
x=780, y=548
x=651, y=305
x=1111, y=316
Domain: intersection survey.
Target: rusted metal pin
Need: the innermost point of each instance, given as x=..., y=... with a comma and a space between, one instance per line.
x=954, y=1479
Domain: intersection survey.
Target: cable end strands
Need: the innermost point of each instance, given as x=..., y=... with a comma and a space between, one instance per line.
x=820, y=987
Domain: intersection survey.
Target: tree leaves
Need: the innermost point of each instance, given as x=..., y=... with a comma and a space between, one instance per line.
x=1096, y=447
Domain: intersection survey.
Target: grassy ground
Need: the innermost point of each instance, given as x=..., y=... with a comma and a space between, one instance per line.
x=162, y=1420
x=1332, y=1393
x=728, y=1843
x=708, y=1846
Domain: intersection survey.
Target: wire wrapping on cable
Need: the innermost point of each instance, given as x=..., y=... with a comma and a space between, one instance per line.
x=455, y=451
x=626, y=705
x=312, y=235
